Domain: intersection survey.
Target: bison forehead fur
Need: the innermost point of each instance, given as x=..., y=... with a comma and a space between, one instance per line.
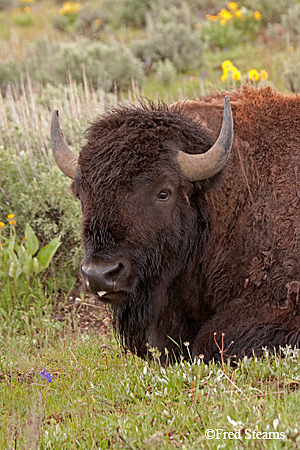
x=186, y=260
x=130, y=141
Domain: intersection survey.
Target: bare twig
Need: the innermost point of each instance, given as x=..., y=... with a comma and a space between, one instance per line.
x=223, y=352
x=199, y=415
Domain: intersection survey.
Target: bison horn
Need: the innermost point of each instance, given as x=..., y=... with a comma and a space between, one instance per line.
x=64, y=157
x=205, y=165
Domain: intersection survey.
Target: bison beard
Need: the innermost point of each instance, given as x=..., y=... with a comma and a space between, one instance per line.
x=186, y=259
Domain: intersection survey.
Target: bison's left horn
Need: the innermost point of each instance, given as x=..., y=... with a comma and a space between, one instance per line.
x=64, y=157
x=205, y=165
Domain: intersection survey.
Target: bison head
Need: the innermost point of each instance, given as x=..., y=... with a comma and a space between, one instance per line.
x=134, y=177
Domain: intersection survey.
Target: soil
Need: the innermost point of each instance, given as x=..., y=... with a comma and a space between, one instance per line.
x=84, y=311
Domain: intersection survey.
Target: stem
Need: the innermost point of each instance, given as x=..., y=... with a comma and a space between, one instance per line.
x=11, y=294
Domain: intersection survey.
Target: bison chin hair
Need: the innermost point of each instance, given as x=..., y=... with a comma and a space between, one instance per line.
x=167, y=275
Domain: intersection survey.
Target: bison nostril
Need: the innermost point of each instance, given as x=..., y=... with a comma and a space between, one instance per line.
x=113, y=272
x=101, y=277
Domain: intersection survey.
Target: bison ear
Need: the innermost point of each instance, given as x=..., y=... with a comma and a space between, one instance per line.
x=66, y=160
x=205, y=165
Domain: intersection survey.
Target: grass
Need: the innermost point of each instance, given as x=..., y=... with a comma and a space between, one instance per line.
x=102, y=398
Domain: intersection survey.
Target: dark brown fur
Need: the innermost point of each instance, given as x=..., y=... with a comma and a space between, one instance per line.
x=223, y=257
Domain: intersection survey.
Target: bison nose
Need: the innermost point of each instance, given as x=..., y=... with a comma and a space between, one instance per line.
x=101, y=277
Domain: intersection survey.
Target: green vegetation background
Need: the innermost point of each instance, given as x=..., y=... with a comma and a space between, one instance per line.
x=83, y=58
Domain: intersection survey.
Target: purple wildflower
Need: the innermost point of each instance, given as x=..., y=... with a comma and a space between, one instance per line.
x=46, y=375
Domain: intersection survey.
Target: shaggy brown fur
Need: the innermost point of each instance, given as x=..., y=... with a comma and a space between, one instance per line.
x=221, y=255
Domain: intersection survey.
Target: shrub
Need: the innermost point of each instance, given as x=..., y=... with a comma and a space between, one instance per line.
x=217, y=35
x=291, y=21
x=165, y=72
x=70, y=11
x=111, y=11
x=9, y=73
x=118, y=13
x=275, y=36
x=23, y=17
x=105, y=66
x=291, y=73
x=60, y=22
x=134, y=12
x=271, y=11
x=40, y=195
x=83, y=19
x=89, y=21
x=230, y=26
x=172, y=36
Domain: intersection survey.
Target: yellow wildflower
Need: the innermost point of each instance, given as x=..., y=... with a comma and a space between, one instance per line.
x=224, y=14
x=27, y=9
x=253, y=75
x=224, y=76
x=257, y=15
x=264, y=74
x=2, y=224
x=223, y=22
x=232, y=6
x=10, y=216
x=226, y=64
x=12, y=222
x=24, y=239
x=211, y=18
x=70, y=8
x=239, y=14
x=236, y=74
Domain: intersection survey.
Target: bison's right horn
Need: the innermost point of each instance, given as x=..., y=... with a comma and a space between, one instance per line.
x=204, y=165
x=66, y=160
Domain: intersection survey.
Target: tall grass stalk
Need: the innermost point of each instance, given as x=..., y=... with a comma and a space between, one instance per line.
x=25, y=114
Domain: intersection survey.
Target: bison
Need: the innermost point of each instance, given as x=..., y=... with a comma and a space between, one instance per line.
x=185, y=243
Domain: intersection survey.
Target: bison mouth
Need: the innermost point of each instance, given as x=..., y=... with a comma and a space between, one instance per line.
x=116, y=298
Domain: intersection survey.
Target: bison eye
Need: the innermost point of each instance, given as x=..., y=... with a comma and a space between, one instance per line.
x=164, y=195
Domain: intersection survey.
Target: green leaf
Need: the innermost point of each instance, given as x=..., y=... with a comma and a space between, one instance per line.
x=28, y=266
x=46, y=254
x=15, y=271
x=11, y=242
x=32, y=243
x=21, y=251
x=12, y=256
x=37, y=267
